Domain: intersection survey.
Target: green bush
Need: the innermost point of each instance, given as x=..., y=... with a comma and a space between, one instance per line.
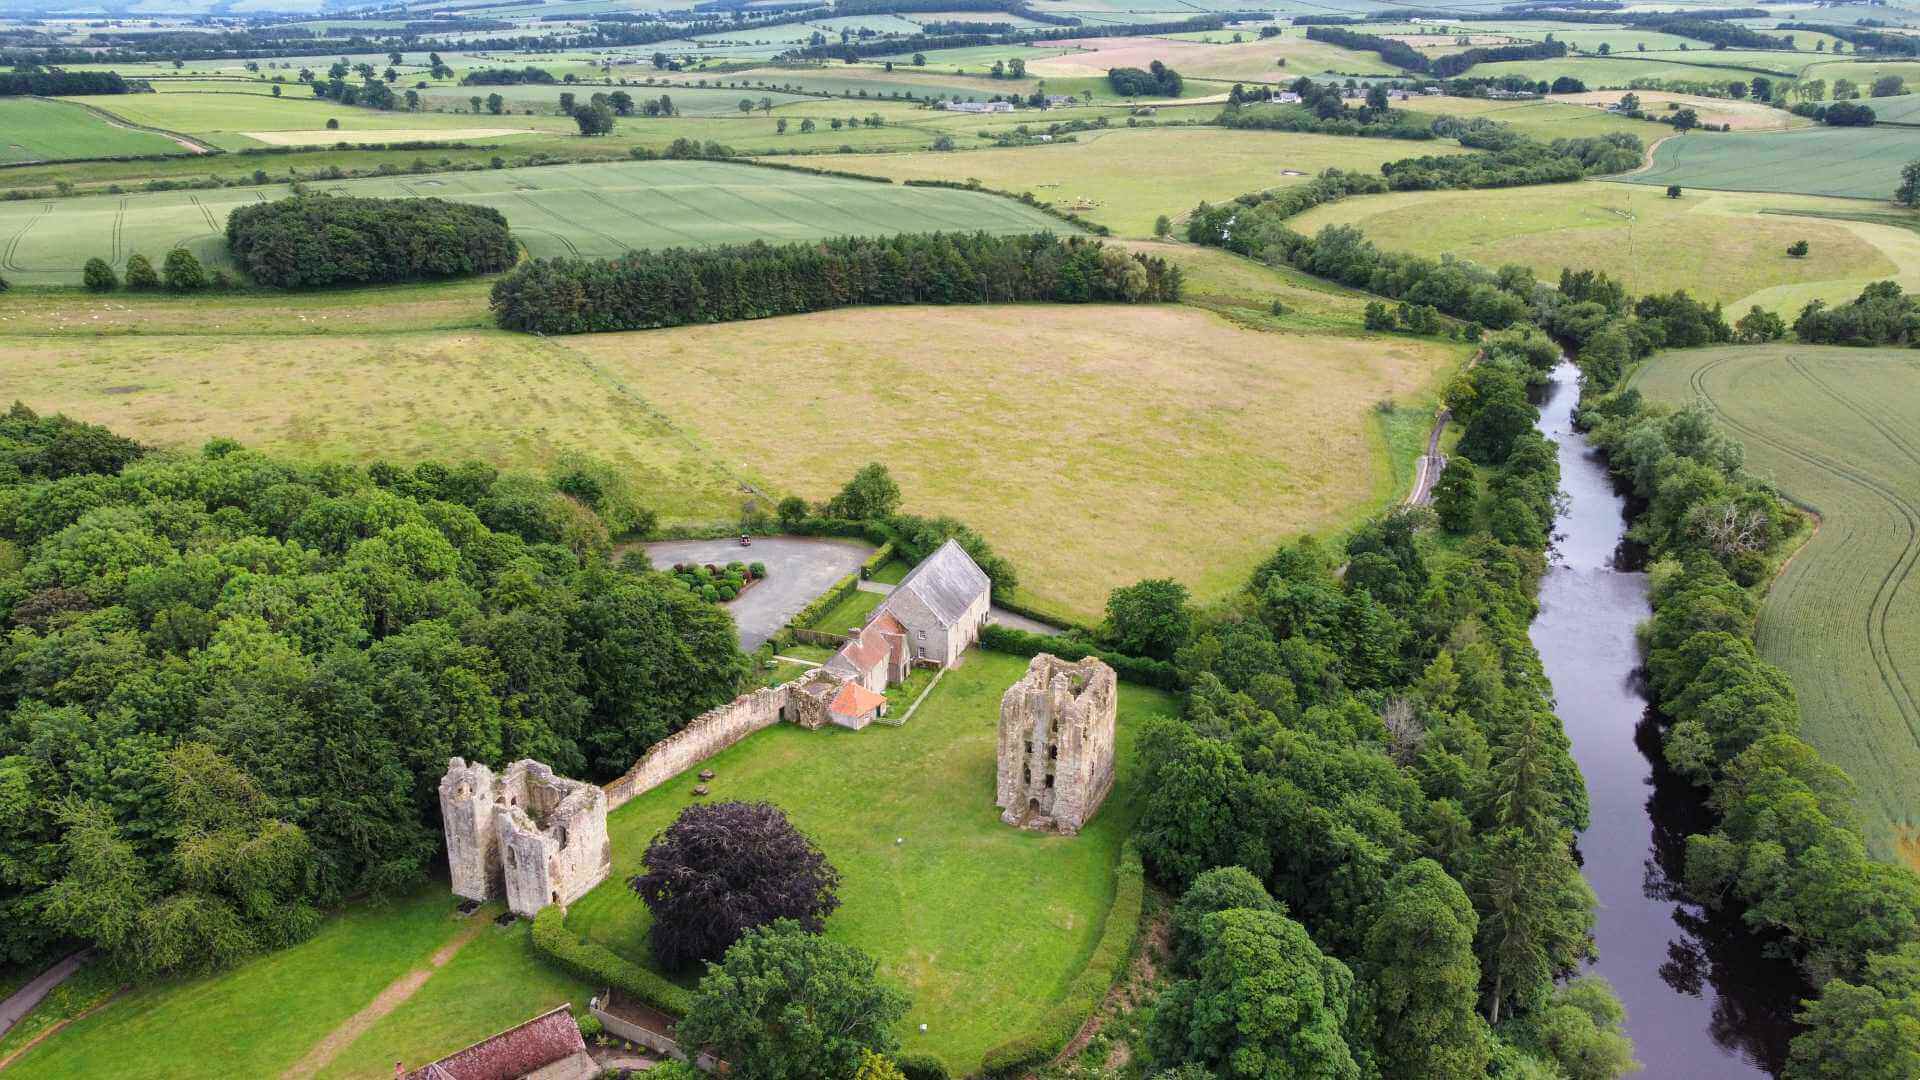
x=1070, y=646
x=590, y=1026
x=878, y=559
x=140, y=275
x=601, y=966
x=758, y=570
x=1059, y=1024
x=922, y=1067
x=182, y=272
x=727, y=592
x=98, y=276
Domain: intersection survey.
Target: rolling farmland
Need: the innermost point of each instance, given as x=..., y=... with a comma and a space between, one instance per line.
x=1858, y=163
x=590, y=210
x=36, y=129
x=1839, y=430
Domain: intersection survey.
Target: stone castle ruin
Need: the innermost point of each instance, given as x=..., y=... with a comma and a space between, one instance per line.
x=1056, y=744
x=527, y=834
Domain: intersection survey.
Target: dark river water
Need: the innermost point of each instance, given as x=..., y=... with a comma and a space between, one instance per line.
x=1702, y=998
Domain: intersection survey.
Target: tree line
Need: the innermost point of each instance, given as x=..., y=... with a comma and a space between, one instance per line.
x=1402, y=55
x=1322, y=109
x=508, y=76
x=1158, y=80
x=319, y=239
x=231, y=682
x=1367, y=806
x=40, y=82
x=677, y=286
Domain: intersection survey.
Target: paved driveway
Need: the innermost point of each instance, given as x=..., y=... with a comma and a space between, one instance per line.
x=799, y=568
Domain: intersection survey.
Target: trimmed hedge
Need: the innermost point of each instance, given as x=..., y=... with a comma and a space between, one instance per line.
x=602, y=966
x=1136, y=669
x=806, y=616
x=1061, y=1023
x=878, y=559
x=922, y=1067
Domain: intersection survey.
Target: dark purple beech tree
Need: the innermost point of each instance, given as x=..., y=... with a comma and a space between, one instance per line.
x=722, y=869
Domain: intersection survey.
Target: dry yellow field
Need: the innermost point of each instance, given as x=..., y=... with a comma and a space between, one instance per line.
x=1741, y=115
x=1092, y=445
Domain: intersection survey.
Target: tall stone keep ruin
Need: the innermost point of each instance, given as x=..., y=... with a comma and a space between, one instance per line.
x=527, y=834
x=1056, y=744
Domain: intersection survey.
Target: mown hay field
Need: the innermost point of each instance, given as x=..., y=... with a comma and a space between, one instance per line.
x=37, y=129
x=1094, y=445
x=1839, y=430
x=1859, y=163
x=981, y=924
x=1724, y=246
x=589, y=210
x=1124, y=178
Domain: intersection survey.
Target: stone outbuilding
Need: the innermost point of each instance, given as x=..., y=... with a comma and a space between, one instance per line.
x=1056, y=744
x=547, y=1047
x=823, y=697
x=527, y=834
x=941, y=605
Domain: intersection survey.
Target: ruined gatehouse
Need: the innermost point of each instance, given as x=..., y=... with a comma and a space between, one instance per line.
x=527, y=834
x=1056, y=744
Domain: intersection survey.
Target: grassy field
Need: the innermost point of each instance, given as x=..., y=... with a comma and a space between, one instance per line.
x=265, y=1016
x=1860, y=163
x=1601, y=72
x=1126, y=177
x=1227, y=441
x=1838, y=429
x=591, y=210
x=1545, y=120
x=1723, y=246
x=983, y=925
x=36, y=129
x=1739, y=115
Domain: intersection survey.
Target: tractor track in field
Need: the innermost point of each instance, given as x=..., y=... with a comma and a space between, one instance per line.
x=1895, y=576
x=626, y=213
x=1890, y=585
x=13, y=246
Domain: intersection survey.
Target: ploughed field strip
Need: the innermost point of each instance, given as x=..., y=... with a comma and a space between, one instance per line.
x=1860, y=163
x=595, y=210
x=1839, y=430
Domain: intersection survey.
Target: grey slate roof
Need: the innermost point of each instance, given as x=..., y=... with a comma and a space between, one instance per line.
x=947, y=581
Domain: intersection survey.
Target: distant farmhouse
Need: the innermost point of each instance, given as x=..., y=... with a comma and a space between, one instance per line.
x=977, y=106
x=931, y=617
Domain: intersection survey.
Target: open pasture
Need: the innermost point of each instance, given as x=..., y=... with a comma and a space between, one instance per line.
x=38, y=129
x=1839, y=430
x=226, y=119
x=1740, y=115
x=981, y=924
x=1733, y=251
x=1601, y=72
x=591, y=210
x=1224, y=442
x=1544, y=120
x=1858, y=163
x=1126, y=177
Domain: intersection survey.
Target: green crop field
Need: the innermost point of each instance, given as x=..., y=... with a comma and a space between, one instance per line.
x=982, y=925
x=36, y=129
x=1839, y=430
x=1859, y=163
x=1735, y=249
x=595, y=210
x=1126, y=177
x=1607, y=71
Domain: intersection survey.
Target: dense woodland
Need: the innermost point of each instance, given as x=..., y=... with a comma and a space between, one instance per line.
x=231, y=683
x=320, y=239
x=677, y=286
x=39, y=82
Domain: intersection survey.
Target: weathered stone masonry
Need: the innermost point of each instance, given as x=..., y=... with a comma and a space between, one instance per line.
x=527, y=834
x=1056, y=744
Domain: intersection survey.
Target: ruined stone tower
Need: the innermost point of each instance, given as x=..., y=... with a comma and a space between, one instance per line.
x=1056, y=744
x=529, y=835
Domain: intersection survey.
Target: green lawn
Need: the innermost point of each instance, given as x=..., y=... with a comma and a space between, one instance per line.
x=893, y=573
x=37, y=129
x=850, y=612
x=263, y=1016
x=982, y=924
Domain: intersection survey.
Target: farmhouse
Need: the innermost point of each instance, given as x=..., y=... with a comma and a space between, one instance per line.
x=977, y=106
x=528, y=834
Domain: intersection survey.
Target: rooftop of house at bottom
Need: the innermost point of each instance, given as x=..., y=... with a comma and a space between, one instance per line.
x=547, y=1047
x=929, y=619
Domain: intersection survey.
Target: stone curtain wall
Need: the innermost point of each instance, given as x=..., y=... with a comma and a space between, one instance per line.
x=706, y=735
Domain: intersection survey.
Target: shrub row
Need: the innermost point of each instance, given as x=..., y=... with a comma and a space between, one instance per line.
x=878, y=559
x=1061, y=1023
x=1071, y=646
x=841, y=174
x=922, y=1066
x=807, y=616
x=679, y=286
x=1027, y=197
x=601, y=966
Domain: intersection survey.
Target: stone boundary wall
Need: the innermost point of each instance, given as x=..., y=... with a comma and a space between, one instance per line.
x=704, y=736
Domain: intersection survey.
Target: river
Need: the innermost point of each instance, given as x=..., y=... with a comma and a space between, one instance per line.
x=1702, y=1000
